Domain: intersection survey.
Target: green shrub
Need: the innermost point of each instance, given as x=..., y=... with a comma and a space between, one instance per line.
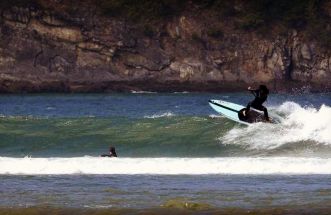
x=5, y=4
x=251, y=21
x=141, y=10
x=148, y=31
x=215, y=33
x=197, y=38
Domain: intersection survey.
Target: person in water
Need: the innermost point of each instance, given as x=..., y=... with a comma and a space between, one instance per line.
x=112, y=152
x=261, y=95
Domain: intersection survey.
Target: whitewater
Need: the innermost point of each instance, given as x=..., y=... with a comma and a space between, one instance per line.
x=174, y=152
x=164, y=166
x=298, y=124
x=299, y=144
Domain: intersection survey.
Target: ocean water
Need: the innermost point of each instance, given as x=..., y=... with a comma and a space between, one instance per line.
x=175, y=153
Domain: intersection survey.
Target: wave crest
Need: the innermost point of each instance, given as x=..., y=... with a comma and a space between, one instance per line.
x=163, y=166
x=299, y=124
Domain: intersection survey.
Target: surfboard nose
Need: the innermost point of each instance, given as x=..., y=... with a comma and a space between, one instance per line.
x=212, y=101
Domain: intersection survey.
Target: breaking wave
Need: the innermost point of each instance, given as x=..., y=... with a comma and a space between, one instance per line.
x=299, y=125
x=164, y=166
x=303, y=131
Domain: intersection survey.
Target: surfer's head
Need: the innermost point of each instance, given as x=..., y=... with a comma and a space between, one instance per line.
x=264, y=89
x=112, y=151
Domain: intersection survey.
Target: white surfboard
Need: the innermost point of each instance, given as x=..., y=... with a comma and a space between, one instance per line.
x=234, y=112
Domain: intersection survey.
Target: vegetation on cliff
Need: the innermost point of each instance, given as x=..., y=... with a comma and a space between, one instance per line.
x=309, y=15
x=63, y=45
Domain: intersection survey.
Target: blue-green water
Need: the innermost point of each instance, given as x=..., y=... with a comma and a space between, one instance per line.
x=174, y=151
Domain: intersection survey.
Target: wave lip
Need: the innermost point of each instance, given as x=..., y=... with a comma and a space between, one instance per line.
x=164, y=166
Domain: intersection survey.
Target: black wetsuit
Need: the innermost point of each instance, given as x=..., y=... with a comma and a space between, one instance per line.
x=112, y=153
x=260, y=97
x=109, y=155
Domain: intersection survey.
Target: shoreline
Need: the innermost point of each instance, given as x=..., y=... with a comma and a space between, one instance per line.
x=14, y=87
x=182, y=209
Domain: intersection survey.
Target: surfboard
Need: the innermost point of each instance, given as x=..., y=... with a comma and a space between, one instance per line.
x=235, y=112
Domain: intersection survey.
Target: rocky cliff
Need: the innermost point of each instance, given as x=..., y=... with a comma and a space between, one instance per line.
x=54, y=46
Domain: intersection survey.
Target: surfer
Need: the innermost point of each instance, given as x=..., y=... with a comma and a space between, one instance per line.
x=112, y=152
x=261, y=95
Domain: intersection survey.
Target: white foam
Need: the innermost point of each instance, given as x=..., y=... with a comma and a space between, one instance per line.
x=164, y=166
x=182, y=92
x=142, y=92
x=214, y=116
x=299, y=124
x=154, y=116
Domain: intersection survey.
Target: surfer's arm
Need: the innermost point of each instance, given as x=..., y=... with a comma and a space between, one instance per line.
x=253, y=91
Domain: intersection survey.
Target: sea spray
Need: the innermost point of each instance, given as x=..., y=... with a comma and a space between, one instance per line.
x=300, y=124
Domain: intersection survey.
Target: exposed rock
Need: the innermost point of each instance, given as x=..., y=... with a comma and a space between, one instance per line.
x=83, y=51
x=17, y=14
x=229, y=76
x=153, y=61
x=70, y=34
x=305, y=52
x=91, y=46
x=50, y=19
x=185, y=71
x=60, y=65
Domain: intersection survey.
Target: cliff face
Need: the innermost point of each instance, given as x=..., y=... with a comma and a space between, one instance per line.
x=82, y=50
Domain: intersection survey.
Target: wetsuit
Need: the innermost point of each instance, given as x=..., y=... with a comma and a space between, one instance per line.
x=112, y=153
x=260, y=97
x=109, y=155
